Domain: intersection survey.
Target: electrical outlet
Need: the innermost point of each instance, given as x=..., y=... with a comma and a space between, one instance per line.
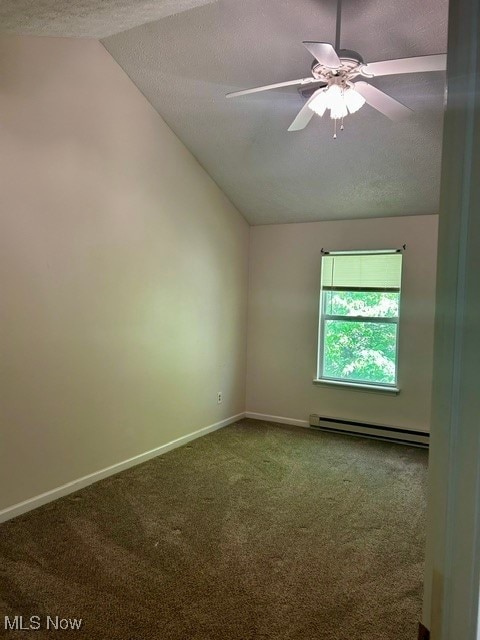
x=219, y=397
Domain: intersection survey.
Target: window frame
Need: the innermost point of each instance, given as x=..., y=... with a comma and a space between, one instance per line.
x=323, y=317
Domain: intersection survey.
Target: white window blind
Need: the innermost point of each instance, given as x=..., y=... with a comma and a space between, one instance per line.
x=362, y=272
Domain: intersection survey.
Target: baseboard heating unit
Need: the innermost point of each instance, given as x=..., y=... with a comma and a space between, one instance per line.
x=368, y=430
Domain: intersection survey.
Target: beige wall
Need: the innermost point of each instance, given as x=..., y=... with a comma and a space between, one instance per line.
x=283, y=320
x=123, y=273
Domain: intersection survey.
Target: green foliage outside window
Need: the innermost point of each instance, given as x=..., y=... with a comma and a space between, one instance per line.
x=357, y=350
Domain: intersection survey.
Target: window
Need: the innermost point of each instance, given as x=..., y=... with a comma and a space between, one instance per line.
x=359, y=314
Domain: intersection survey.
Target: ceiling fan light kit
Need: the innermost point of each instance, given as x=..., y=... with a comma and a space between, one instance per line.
x=344, y=91
x=339, y=99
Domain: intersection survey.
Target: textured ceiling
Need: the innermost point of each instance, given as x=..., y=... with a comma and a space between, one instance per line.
x=186, y=64
x=87, y=18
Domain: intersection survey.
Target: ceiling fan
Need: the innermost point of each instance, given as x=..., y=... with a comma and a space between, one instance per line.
x=342, y=91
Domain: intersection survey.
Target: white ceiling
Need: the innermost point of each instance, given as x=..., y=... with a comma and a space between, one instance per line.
x=186, y=63
x=85, y=18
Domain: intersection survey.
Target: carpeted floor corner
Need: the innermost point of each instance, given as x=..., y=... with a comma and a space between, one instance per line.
x=256, y=531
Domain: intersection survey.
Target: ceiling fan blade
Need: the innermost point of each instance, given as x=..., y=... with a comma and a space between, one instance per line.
x=324, y=53
x=304, y=115
x=419, y=64
x=382, y=102
x=267, y=87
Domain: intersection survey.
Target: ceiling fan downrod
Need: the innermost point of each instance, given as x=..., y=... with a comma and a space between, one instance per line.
x=338, y=25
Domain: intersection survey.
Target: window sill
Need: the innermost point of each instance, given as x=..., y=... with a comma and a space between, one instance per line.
x=356, y=386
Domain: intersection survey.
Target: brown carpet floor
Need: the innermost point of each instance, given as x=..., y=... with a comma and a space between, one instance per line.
x=256, y=531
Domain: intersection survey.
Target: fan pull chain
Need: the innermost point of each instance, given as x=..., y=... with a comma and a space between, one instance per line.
x=335, y=129
x=341, y=126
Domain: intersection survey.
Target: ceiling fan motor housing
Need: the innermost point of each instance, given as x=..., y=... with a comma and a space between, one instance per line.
x=349, y=54
x=351, y=63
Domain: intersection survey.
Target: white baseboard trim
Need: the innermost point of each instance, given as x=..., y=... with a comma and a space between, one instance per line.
x=280, y=419
x=49, y=496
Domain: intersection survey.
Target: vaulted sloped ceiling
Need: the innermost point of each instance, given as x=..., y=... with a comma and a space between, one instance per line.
x=186, y=63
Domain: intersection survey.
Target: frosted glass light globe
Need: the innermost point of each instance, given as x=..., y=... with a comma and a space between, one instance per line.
x=353, y=100
x=319, y=103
